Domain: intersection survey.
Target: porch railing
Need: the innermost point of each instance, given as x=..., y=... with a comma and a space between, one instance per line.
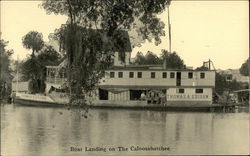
x=56, y=80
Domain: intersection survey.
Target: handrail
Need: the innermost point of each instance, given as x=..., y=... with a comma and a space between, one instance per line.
x=56, y=80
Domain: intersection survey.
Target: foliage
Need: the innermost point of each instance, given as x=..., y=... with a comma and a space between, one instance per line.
x=140, y=59
x=172, y=60
x=221, y=85
x=5, y=70
x=112, y=15
x=149, y=59
x=223, y=88
x=48, y=56
x=33, y=40
x=89, y=54
x=244, y=69
x=30, y=68
x=34, y=68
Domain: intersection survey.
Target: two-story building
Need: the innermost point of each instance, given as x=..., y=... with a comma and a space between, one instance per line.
x=180, y=87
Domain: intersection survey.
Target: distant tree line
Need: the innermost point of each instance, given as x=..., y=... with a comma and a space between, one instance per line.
x=172, y=60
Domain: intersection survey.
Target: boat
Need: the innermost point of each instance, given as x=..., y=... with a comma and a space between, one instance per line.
x=134, y=86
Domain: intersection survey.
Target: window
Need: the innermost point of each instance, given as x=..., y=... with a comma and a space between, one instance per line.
x=103, y=94
x=112, y=74
x=131, y=74
x=120, y=74
x=121, y=56
x=152, y=74
x=190, y=75
x=202, y=75
x=229, y=77
x=164, y=75
x=172, y=75
x=180, y=90
x=139, y=74
x=106, y=74
x=199, y=91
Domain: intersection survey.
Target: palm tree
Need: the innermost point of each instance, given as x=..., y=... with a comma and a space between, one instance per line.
x=33, y=40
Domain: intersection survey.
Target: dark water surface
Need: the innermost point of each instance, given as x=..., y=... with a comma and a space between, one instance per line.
x=53, y=131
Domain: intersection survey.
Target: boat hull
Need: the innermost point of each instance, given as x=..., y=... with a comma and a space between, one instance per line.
x=104, y=105
x=46, y=101
x=29, y=102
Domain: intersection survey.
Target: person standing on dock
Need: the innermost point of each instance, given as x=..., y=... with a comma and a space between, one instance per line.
x=163, y=98
x=143, y=96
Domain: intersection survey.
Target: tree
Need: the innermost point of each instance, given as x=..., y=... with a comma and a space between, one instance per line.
x=88, y=53
x=222, y=85
x=139, y=58
x=5, y=70
x=244, y=69
x=48, y=56
x=172, y=60
x=33, y=40
x=149, y=59
x=152, y=58
x=34, y=68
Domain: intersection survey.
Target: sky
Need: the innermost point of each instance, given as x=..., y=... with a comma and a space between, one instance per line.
x=201, y=30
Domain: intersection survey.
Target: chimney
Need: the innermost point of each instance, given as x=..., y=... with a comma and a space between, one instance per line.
x=164, y=64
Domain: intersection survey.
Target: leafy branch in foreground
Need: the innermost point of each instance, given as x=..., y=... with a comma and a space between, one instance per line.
x=90, y=52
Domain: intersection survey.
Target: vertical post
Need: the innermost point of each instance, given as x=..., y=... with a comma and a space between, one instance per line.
x=49, y=77
x=17, y=75
x=54, y=75
x=209, y=61
x=169, y=29
x=46, y=74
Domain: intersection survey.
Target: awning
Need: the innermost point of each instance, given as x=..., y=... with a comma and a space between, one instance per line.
x=242, y=90
x=115, y=90
x=133, y=87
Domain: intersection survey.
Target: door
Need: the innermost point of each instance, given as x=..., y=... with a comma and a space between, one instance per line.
x=178, y=79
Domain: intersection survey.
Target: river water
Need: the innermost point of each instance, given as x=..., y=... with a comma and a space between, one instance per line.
x=55, y=131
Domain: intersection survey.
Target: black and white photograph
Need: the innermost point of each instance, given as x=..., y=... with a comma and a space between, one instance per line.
x=124, y=77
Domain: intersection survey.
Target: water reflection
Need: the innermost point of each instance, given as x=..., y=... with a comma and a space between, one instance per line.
x=52, y=131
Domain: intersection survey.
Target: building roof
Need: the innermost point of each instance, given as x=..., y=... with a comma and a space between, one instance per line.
x=20, y=86
x=145, y=87
x=17, y=78
x=152, y=67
